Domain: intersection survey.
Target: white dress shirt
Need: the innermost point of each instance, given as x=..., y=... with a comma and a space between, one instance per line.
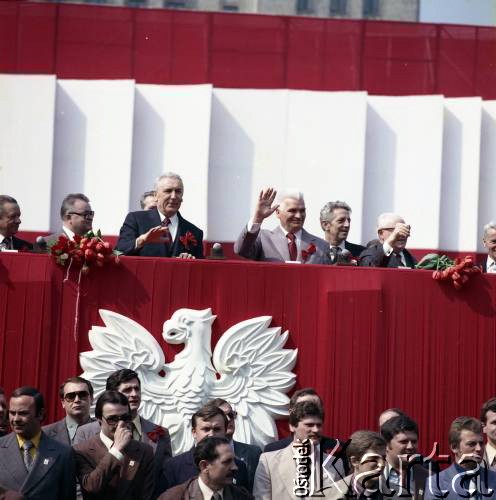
x=109, y=444
x=207, y=492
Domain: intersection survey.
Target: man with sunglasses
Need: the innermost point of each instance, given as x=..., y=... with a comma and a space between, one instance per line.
x=77, y=217
x=76, y=397
x=113, y=465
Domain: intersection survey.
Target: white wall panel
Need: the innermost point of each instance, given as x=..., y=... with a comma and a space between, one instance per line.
x=93, y=140
x=27, y=108
x=458, y=223
x=247, y=153
x=403, y=164
x=487, y=198
x=325, y=152
x=172, y=133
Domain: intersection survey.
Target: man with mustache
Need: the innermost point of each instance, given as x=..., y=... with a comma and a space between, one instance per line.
x=214, y=457
x=390, y=250
x=297, y=470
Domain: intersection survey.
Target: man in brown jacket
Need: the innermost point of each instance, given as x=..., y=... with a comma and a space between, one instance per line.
x=112, y=465
x=214, y=457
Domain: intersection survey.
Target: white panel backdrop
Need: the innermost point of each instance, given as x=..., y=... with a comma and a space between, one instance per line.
x=428, y=158
x=27, y=107
x=93, y=145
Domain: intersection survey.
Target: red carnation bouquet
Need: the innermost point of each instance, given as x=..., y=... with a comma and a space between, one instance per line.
x=89, y=251
x=457, y=272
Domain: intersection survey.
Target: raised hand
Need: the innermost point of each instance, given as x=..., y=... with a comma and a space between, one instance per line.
x=154, y=235
x=400, y=234
x=264, y=206
x=122, y=436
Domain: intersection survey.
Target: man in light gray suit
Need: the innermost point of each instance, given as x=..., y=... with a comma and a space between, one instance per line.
x=31, y=463
x=288, y=241
x=76, y=396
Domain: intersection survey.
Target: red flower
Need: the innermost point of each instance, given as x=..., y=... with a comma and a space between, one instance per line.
x=156, y=434
x=188, y=239
x=309, y=251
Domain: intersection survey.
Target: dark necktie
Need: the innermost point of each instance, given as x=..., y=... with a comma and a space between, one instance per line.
x=26, y=456
x=167, y=235
x=216, y=496
x=293, y=251
x=395, y=260
x=335, y=251
x=6, y=244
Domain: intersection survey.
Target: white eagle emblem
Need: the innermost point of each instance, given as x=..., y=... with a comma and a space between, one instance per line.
x=249, y=368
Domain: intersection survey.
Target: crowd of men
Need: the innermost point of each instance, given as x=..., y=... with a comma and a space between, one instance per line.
x=159, y=230
x=118, y=454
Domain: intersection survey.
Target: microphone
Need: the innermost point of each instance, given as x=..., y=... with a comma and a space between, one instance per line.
x=41, y=242
x=345, y=258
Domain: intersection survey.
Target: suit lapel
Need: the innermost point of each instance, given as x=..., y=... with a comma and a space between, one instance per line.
x=280, y=242
x=146, y=427
x=134, y=456
x=46, y=457
x=286, y=469
x=11, y=460
x=180, y=229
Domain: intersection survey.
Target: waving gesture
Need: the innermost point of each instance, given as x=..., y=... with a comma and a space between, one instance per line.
x=264, y=206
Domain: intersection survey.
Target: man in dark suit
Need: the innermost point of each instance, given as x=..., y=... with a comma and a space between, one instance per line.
x=10, y=220
x=76, y=215
x=299, y=396
x=390, y=250
x=162, y=232
x=214, y=458
x=128, y=383
x=288, y=242
x=403, y=475
x=112, y=465
x=335, y=220
x=76, y=397
x=489, y=239
x=247, y=453
x=207, y=421
x=31, y=463
x=466, y=478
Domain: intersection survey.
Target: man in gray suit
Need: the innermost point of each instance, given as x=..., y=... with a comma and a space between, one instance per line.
x=4, y=414
x=128, y=383
x=76, y=396
x=77, y=217
x=31, y=463
x=288, y=241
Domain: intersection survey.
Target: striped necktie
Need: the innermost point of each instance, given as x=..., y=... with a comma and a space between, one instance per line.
x=26, y=456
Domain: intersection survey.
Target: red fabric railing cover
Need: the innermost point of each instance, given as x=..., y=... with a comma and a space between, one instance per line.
x=367, y=339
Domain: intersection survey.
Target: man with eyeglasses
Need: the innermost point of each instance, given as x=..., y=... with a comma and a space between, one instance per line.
x=113, y=465
x=390, y=250
x=77, y=217
x=76, y=397
x=247, y=453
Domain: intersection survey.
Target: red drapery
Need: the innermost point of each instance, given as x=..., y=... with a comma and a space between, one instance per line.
x=246, y=51
x=367, y=338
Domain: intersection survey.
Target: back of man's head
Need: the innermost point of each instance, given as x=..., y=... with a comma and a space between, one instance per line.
x=119, y=377
x=305, y=394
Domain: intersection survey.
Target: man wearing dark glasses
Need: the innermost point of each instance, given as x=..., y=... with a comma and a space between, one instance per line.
x=76, y=397
x=113, y=465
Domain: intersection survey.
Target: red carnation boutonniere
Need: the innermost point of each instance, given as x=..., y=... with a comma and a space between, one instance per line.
x=188, y=239
x=311, y=249
x=156, y=434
